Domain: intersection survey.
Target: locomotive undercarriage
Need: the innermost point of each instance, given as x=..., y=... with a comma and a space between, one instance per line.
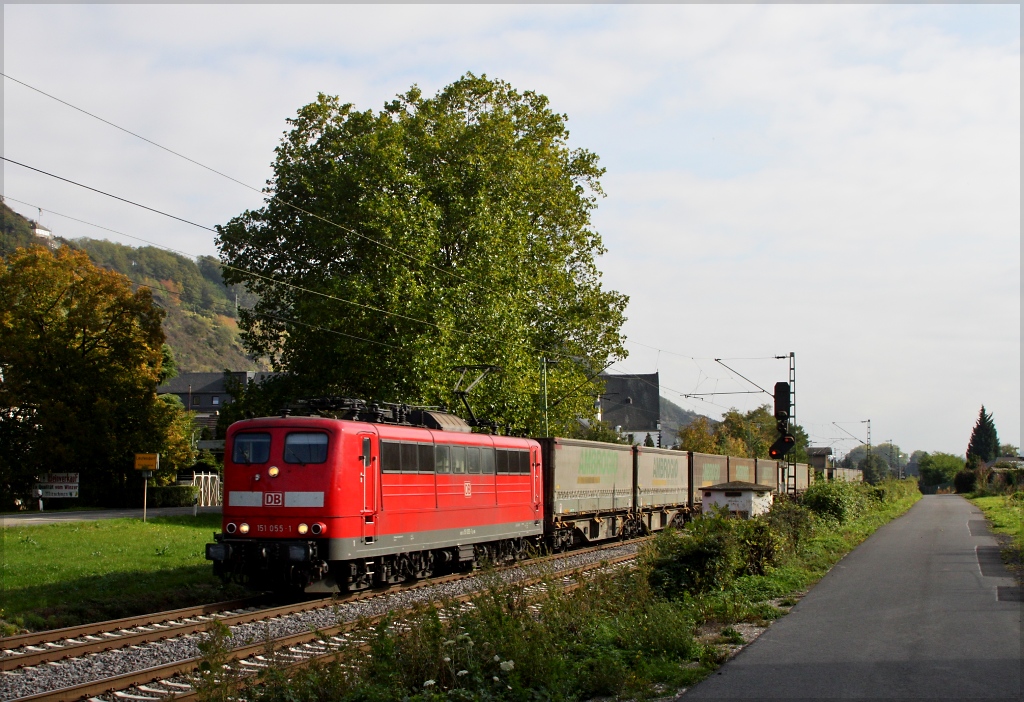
x=297, y=565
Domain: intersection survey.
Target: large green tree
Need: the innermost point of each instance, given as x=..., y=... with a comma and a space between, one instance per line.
x=439, y=231
x=937, y=468
x=984, y=443
x=80, y=356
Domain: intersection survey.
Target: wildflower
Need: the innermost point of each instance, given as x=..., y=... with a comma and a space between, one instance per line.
x=447, y=659
x=429, y=683
x=449, y=642
x=496, y=679
x=508, y=665
x=462, y=672
x=497, y=658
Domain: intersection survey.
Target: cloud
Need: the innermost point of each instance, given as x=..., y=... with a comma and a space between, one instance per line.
x=838, y=180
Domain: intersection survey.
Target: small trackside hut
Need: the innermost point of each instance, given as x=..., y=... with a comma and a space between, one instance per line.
x=739, y=498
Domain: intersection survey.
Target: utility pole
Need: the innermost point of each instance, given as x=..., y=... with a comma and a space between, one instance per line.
x=791, y=467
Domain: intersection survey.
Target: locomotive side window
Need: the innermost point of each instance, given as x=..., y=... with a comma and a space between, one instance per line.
x=442, y=459
x=426, y=452
x=305, y=447
x=410, y=461
x=458, y=459
x=390, y=457
x=487, y=461
x=524, y=462
x=251, y=448
x=501, y=461
x=473, y=459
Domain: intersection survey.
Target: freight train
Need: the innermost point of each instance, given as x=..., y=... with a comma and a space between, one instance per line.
x=375, y=496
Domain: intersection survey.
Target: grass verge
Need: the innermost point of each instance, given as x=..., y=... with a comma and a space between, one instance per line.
x=639, y=634
x=1006, y=513
x=58, y=575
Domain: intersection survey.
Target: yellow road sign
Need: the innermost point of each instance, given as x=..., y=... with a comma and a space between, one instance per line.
x=147, y=461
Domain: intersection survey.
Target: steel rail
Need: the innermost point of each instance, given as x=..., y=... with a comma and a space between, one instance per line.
x=164, y=672
x=71, y=632
x=113, y=640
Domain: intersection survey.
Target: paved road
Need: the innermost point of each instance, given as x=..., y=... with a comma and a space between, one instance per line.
x=914, y=612
x=37, y=518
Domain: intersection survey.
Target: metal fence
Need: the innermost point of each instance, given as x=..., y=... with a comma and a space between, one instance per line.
x=209, y=489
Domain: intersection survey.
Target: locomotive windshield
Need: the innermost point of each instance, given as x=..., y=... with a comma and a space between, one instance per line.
x=305, y=447
x=251, y=448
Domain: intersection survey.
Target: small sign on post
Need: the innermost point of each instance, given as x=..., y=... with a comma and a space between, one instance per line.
x=148, y=463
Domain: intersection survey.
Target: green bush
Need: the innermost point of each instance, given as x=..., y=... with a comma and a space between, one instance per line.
x=172, y=495
x=836, y=500
x=704, y=557
x=892, y=490
x=790, y=520
x=761, y=545
x=965, y=481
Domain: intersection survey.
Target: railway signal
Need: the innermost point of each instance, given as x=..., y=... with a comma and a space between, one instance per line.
x=785, y=442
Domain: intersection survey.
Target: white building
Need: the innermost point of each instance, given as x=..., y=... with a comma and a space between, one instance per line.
x=744, y=500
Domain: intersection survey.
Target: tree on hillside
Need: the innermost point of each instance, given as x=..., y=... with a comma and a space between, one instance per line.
x=1008, y=450
x=80, y=356
x=740, y=434
x=459, y=233
x=984, y=443
x=937, y=468
x=698, y=436
x=15, y=231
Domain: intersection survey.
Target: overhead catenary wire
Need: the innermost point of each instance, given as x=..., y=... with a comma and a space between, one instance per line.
x=288, y=204
x=280, y=199
x=277, y=282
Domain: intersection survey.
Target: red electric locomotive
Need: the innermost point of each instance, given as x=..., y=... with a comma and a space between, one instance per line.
x=332, y=505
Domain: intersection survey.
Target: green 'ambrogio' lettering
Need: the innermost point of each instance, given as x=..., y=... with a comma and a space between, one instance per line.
x=597, y=462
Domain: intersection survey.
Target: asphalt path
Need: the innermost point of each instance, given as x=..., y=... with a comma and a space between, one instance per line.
x=923, y=609
x=22, y=519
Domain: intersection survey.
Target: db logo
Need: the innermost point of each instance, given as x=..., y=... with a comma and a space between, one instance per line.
x=273, y=499
x=467, y=488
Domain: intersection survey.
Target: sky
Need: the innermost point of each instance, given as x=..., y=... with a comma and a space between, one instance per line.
x=837, y=181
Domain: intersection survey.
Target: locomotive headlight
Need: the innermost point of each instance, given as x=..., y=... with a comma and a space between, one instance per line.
x=231, y=528
x=243, y=528
x=318, y=529
x=273, y=471
x=303, y=528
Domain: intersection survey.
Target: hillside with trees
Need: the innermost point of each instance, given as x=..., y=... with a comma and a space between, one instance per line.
x=15, y=231
x=201, y=323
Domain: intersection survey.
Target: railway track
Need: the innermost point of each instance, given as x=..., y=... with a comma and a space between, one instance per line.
x=170, y=677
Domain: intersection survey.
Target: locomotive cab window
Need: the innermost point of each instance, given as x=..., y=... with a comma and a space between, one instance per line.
x=487, y=461
x=251, y=448
x=524, y=462
x=305, y=447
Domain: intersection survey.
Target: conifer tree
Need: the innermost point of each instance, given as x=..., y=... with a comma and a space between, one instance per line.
x=984, y=443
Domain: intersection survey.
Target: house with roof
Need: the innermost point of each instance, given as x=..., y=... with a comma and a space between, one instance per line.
x=206, y=393
x=631, y=405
